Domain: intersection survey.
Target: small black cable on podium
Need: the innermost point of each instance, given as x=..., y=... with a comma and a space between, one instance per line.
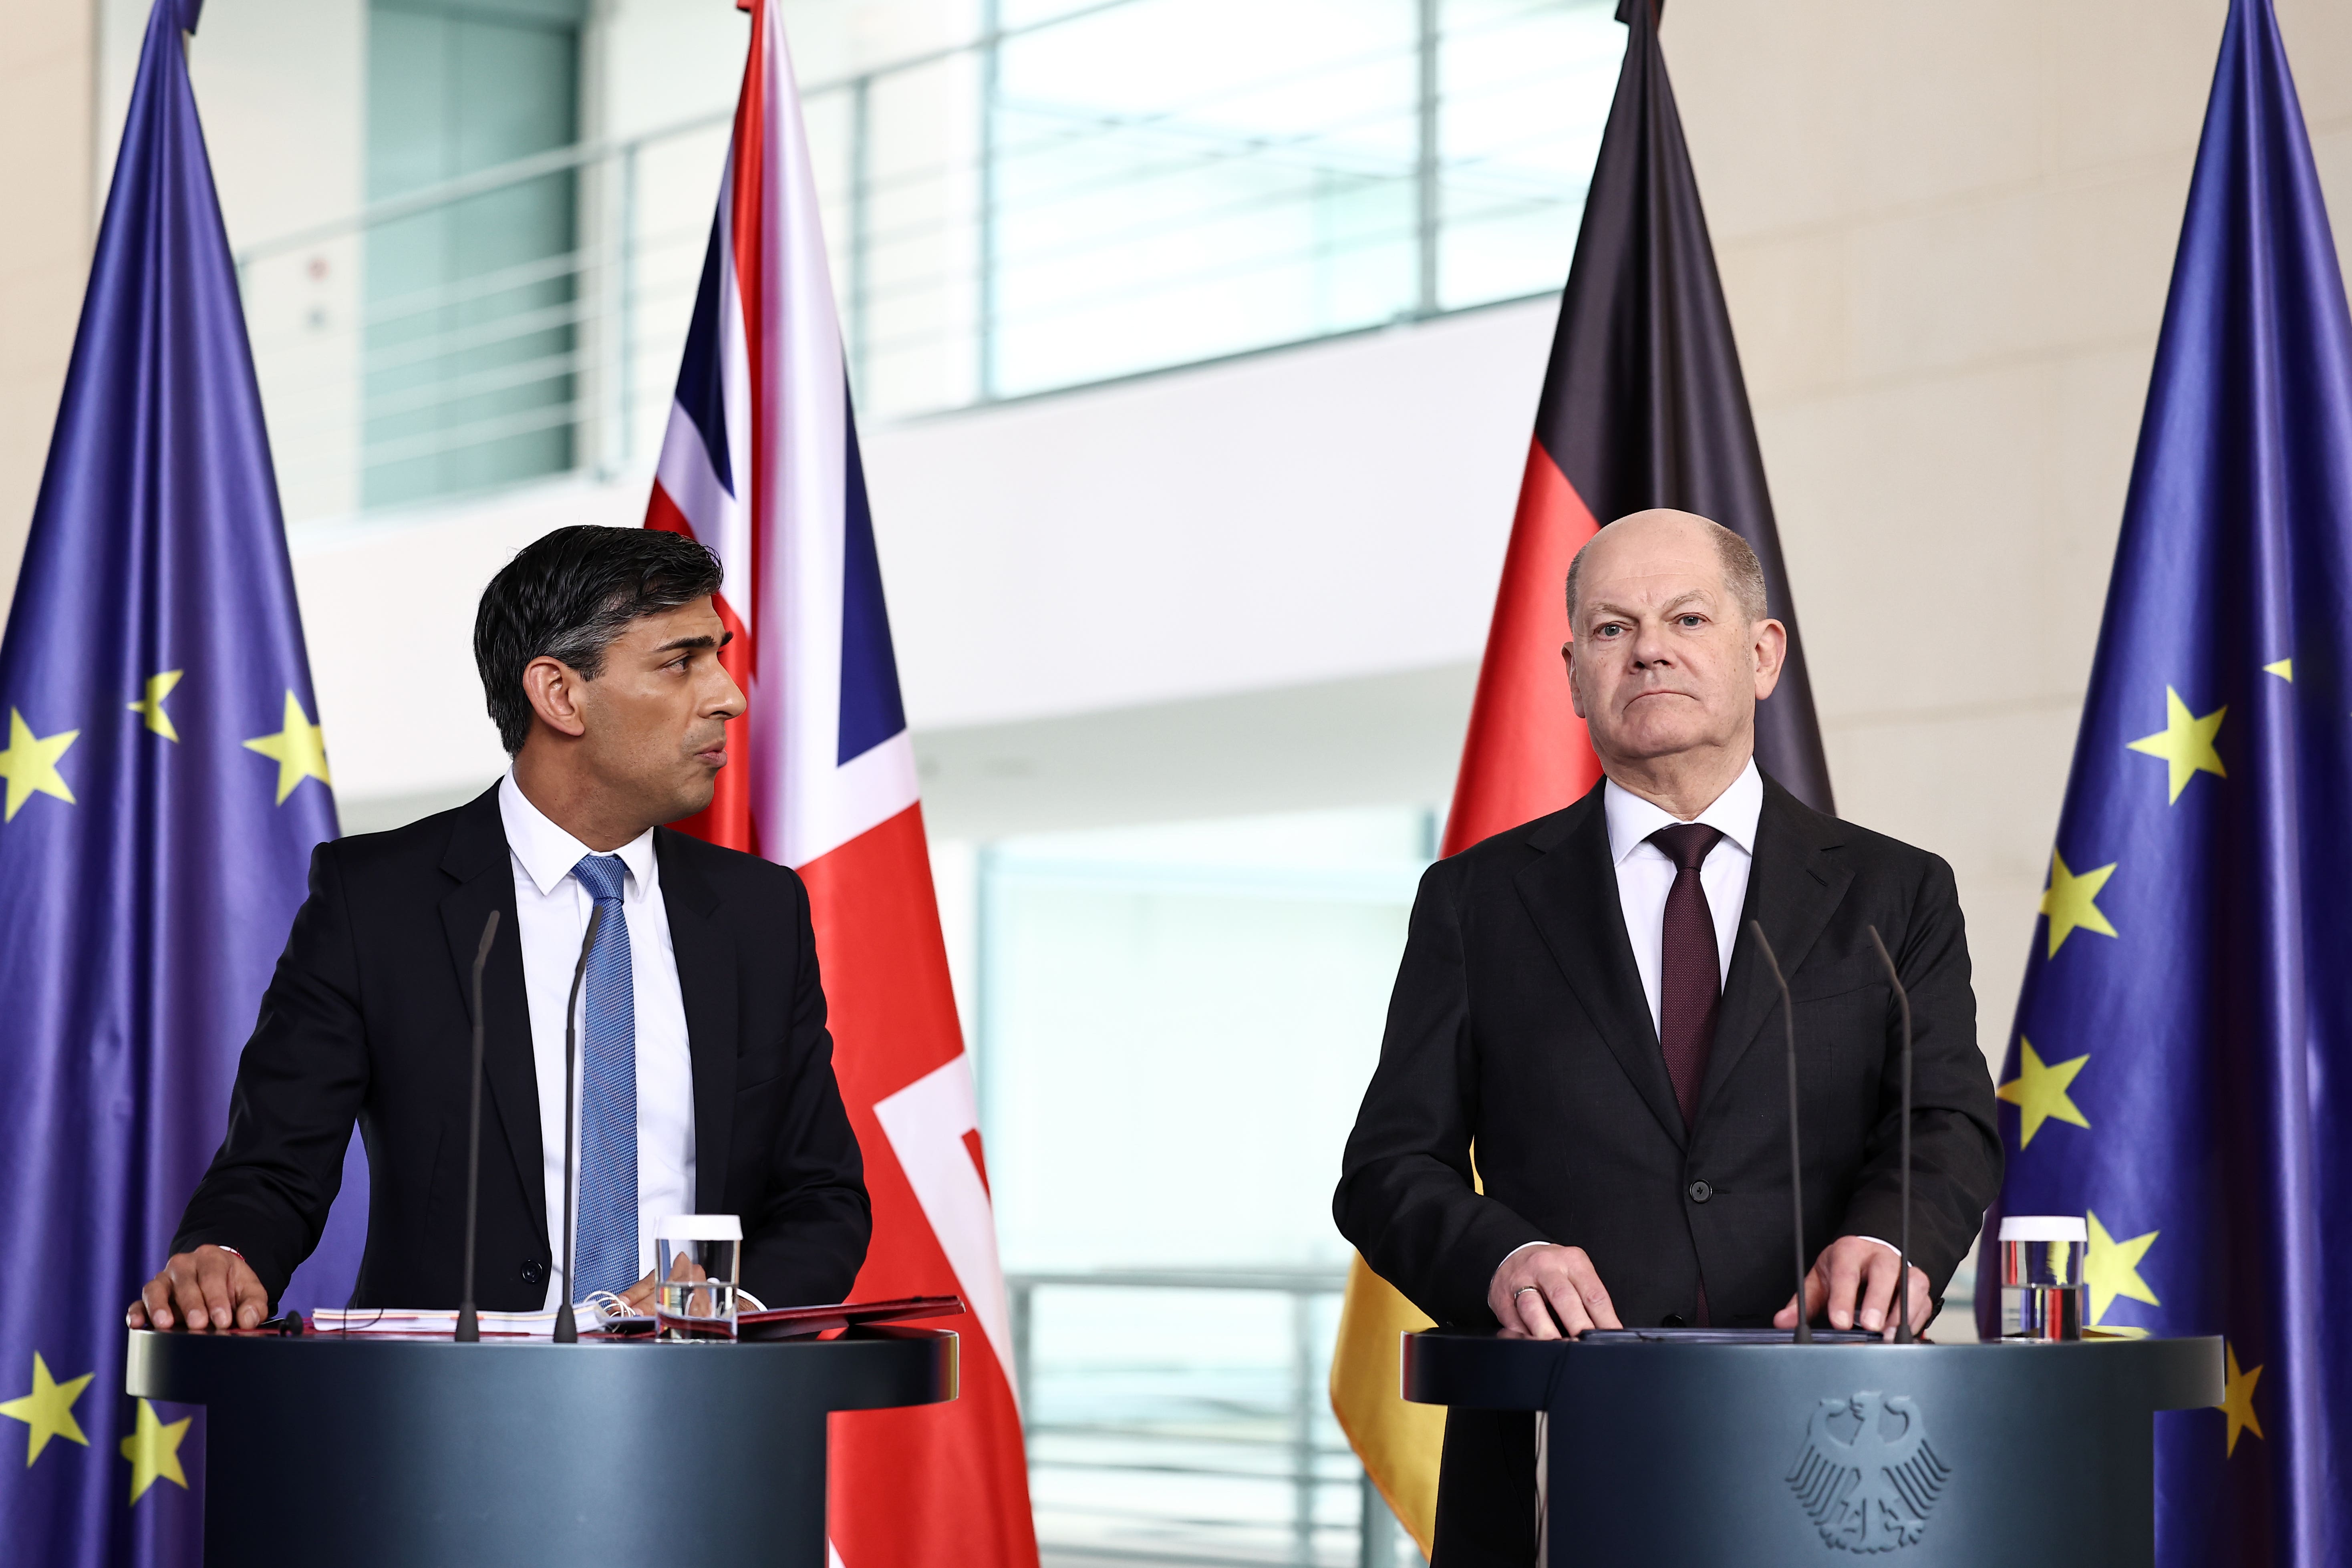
x=567, y=1330
x=469, y=1321
x=1796, y=1156
x=1903, y=1277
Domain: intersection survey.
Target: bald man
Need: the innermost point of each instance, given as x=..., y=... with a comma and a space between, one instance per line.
x=1581, y=1000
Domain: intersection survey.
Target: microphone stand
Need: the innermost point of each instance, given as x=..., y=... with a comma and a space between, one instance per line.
x=1903, y=1335
x=567, y=1330
x=1796, y=1160
x=469, y=1321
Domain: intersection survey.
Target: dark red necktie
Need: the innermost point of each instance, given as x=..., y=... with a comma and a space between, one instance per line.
x=1690, y=975
x=1690, y=970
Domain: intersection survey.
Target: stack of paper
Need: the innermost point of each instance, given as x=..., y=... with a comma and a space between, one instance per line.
x=413, y=1320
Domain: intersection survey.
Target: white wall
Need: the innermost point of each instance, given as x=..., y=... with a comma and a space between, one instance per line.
x=48, y=80
x=1332, y=512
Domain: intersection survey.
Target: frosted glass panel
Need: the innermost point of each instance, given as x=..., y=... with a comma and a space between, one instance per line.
x=1176, y=1024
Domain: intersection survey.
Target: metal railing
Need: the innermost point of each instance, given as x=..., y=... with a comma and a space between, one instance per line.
x=1127, y=186
x=1210, y=1442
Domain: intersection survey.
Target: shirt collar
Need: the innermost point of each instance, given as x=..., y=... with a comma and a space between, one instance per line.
x=548, y=853
x=1735, y=813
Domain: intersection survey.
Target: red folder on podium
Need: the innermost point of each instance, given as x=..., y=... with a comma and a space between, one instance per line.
x=800, y=1322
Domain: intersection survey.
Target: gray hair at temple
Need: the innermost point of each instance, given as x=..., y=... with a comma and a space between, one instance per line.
x=1742, y=573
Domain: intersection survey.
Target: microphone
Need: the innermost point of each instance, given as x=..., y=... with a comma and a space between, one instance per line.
x=1902, y=1278
x=1796, y=1160
x=567, y=1330
x=469, y=1322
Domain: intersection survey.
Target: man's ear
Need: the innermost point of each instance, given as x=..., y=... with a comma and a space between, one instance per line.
x=1568, y=661
x=1771, y=654
x=553, y=688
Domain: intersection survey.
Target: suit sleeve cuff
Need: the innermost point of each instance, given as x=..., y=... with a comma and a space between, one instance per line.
x=1471, y=1262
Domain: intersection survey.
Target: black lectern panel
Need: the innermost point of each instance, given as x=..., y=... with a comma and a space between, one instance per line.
x=1698, y=1455
x=399, y=1452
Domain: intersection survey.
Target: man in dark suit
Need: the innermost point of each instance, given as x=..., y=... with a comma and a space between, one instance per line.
x=1579, y=1005
x=705, y=1077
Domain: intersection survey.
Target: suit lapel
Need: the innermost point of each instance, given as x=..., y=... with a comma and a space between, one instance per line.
x=477, y=861
x=704, y=946
x=1570, y=892
x=1794, y=887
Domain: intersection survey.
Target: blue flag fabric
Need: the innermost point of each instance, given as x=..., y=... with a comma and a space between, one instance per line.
x=2182, y=1057
x=162, y=783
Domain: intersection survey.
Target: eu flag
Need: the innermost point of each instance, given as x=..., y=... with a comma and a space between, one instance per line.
x=2182, y=1058
x=165, y=781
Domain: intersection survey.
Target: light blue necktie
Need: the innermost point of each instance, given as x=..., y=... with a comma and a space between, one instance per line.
x=608, y=1094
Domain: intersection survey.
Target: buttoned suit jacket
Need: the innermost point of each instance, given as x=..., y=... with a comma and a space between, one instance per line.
x=368, y=1019
x=1519, y=1027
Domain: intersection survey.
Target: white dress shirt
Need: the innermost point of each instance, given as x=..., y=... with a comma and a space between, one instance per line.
x=551, y=917
x=1646, y=875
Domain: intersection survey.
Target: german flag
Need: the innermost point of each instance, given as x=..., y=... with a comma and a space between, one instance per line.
x=1644, y=405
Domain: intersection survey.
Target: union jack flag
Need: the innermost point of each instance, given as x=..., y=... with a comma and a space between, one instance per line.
x=761, y=464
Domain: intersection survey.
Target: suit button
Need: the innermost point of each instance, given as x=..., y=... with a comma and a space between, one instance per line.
x=1700, y=1191
x=534, y=1272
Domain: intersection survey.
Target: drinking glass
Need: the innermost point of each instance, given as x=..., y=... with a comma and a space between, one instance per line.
x=2042, y=1276
x=700, y=1259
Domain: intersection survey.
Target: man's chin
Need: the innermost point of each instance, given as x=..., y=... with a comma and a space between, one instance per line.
x=1653, y=743
x=694, y=797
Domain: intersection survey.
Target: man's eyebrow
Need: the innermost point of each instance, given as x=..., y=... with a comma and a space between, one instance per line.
x=679, y=645
x=1604, y=607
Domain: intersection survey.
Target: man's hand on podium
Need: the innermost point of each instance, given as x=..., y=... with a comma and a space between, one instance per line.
x=639, y=1298
x=211, y=1287
x=1539, y=1293
x=1855, y=1276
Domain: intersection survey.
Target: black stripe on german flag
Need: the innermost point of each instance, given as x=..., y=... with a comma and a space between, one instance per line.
x=1644, y=405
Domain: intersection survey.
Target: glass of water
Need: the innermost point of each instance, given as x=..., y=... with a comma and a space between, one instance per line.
x=700, y=1259
x=2042, y=1276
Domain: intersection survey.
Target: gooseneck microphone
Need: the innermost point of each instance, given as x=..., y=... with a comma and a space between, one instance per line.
x=1902, y=1278
x=469, y=1322
x=1796, y=1159
x=567, y=1330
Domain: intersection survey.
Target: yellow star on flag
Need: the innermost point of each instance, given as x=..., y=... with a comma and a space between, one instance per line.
x=2284, y=671
x=153, y=1451
x=300, y=749
x=2111, y=1268
x=2039, y=1092
x=151, y=707
x=48, y=1410
x=2238, y=1399
x=2068, y=900
x=2186, y=743
x=30, y=763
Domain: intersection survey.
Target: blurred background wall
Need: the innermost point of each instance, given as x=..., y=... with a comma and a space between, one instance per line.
x=1196, y=344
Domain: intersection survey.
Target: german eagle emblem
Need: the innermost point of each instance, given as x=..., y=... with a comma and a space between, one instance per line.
x=1867, y=1475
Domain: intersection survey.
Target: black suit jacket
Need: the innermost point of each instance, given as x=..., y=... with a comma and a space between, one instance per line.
x=369, y=1017
x=1518, y=1025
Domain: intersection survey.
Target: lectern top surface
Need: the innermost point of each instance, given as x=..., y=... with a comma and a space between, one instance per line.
x=1723, y=1337
x=1484, y=1371
x=511, y=1342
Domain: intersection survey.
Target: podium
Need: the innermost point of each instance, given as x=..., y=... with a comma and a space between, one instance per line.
x=1687, y=1454
x=382, y=1451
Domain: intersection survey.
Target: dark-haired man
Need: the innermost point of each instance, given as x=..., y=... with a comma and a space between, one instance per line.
x=1577, y=1003
x=706, y=1070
